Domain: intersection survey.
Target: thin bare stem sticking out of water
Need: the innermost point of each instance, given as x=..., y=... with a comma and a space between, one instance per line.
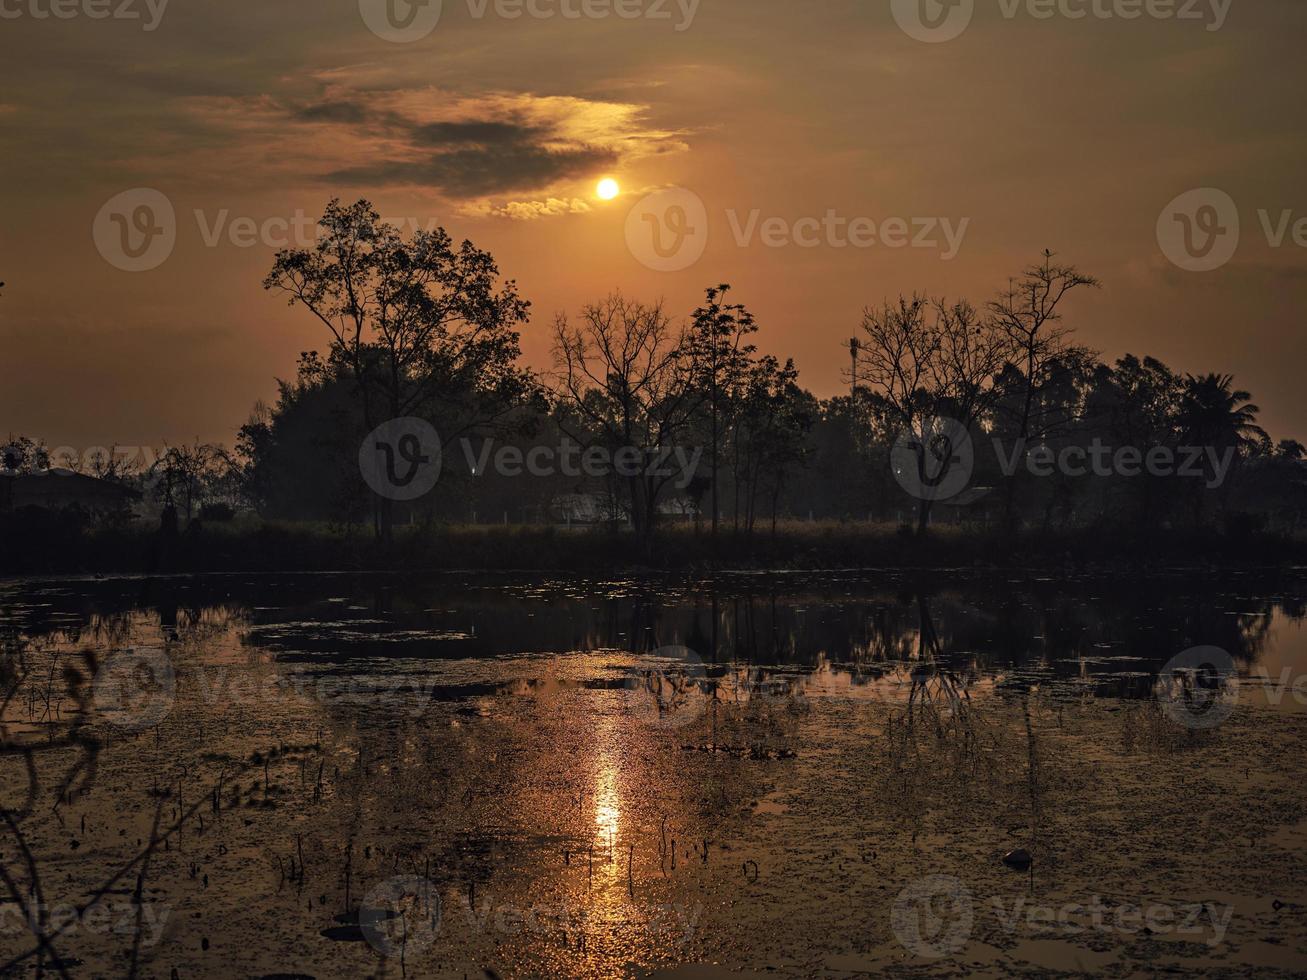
x=140, y=892
x=1032, y=768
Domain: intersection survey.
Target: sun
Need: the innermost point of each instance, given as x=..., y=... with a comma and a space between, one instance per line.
x=608, y=189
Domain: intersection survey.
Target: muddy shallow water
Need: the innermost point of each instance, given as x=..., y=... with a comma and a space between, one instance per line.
x=343, y=776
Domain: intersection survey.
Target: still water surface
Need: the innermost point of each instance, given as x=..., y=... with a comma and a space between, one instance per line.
x=610, y=777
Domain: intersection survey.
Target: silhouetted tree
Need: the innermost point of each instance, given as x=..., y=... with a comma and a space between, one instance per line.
x=1215, y=416
x=624, y=380
x=926, y=361
x=423, y=325
x=1029, y=314
x=770, y=434
x=186, y=475
x=721, y=356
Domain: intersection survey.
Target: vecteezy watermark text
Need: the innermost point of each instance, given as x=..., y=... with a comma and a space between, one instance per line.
x=148, y=12
x=681, y=11
x=1100, y=459
x=936, y=459
x=833, y=230
x=402, y=460
x=934, y=21
x=407, y=913
x=406, y=21
x=934, y=917
x=571, y=459
x=667, y=231
x=673, y=922
x=108, y=917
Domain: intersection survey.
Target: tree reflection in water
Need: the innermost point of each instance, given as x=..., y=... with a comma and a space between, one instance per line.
x=334, y=733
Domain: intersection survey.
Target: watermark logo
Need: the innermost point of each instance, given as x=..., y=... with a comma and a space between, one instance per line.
x=672, y=694
x=1199, y=230
x=933, y=916
x=933, y=21
x=401, y=915
x=934, y=462
x=1199, y=688
x=134, y=689
x=401, y=21
x=667, y=231
x=135, y=231
x=400, y=459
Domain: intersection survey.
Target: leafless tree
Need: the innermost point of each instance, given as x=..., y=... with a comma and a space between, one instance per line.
x=1028, y=313
x=186, y=474
x=624, y=379
x=925, y=360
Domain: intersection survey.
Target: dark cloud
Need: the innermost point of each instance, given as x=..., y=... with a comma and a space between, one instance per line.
x=340, y=111
x=461, y=157
x=476, y=171
x=481, y=132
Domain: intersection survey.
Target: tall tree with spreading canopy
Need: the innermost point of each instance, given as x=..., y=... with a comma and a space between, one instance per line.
x=426, y=327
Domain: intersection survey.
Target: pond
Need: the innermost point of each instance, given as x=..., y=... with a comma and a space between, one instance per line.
x=739, y=775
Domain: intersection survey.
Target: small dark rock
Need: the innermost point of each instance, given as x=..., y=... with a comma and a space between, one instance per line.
x=1018, y=860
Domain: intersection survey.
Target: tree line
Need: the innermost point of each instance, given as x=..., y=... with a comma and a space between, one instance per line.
x=423, y=327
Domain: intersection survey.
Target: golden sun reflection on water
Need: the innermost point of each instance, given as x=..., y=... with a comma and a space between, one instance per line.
x=607, y=806
x=608, y=814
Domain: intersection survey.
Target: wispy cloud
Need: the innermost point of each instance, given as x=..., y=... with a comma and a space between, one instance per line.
x=526, y=210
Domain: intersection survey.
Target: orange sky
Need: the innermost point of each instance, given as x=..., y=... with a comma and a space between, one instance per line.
x=1021, y=133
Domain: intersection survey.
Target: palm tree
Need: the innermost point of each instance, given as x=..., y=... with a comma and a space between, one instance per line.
x=1212, y=414
x=1218, y=417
